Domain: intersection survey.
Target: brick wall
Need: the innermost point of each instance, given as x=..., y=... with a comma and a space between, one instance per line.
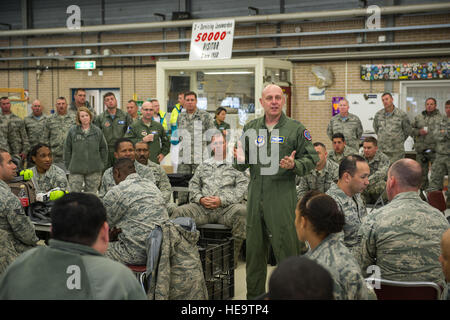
x=315, y=115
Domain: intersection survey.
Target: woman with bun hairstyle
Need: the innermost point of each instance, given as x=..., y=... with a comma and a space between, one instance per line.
x=320, y=223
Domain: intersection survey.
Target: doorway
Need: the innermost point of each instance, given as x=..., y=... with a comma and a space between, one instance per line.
x=95, y=97
x=177, y=84
x=414, y=93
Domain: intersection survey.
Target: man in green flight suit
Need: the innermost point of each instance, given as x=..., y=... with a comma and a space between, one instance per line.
x=114, y=124
x=151, y=132
x=276, y=148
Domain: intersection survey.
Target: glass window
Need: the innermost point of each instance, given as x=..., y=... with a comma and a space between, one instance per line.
x=416, y=96
x=276, y=75
x=233, y=89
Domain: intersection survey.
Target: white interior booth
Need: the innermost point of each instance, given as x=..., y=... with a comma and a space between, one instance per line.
x=235, y=84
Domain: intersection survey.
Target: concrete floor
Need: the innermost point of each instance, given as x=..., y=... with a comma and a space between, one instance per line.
x=240, y=289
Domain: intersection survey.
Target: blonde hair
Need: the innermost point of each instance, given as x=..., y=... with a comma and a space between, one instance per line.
x=78, y=114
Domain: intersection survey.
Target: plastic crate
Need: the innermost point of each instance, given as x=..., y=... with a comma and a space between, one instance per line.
x=221, y=288
x=217, y=257
x=214, y=231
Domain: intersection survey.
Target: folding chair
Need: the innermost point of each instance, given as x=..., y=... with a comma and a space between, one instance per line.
x=402, y=290
x=437, y=200
x=379, y=203
x=139, y=271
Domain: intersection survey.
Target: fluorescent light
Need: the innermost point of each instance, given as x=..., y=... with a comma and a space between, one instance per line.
x=228, y=72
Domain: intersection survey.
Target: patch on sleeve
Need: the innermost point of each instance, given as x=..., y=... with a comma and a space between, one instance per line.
x=307, y=135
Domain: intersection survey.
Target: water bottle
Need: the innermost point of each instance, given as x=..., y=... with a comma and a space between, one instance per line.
x=23, y=196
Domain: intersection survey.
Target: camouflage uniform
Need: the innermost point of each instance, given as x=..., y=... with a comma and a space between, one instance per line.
x=8, y=253
x=10, y=136
x=21, y=144
x=379, y=166
x=426, y=142
x=108, y=179
x=161, y=180
x=339, y=157
x=214, y=178
x=186, y=122
x=392, y=131
x=331, y=254
x=441, y=165
x=34, y=127
x=354, y=210
x=55, y=133
x=179, y=274
x=3, y=140
x=403, y=240
x=163, y=183
x=14, y=221
x=136, y=206
x=350, y=127
x=55, y=177
x=318, y=180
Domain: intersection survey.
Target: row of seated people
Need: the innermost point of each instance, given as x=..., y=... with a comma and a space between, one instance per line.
x=135, y=205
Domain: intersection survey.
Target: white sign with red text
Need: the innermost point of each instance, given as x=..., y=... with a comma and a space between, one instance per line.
x=212, y=40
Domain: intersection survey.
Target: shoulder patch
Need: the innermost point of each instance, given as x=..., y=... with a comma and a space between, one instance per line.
x=307, y=135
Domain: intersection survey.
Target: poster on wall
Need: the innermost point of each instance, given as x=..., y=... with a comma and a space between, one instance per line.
x=406, y=71
x=212, y=40
x=335, y=105
x=315, y=93
x=365, y=105
x=19, y=108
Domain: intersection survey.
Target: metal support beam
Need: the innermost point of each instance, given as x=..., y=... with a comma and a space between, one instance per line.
x=182, y=40
x=422, y=8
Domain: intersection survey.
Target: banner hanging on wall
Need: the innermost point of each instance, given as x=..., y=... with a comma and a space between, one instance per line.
x=335, y=105
x=212, y=40
x=406, y=71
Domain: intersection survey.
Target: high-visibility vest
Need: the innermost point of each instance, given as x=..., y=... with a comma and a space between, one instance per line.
x=173, y=123
x=163, y=120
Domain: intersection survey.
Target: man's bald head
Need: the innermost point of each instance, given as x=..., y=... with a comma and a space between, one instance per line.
x=147, y=104
x=272, y=100
x=407, y=172
x=444, y=258
x=37, y=108
x=270, y=87
x=405, y=175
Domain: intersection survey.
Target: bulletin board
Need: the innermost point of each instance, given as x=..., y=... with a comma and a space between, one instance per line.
x=406, y=71
x=365, y=105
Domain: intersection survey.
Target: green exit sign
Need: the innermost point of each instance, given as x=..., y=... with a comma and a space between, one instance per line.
x=84, y=65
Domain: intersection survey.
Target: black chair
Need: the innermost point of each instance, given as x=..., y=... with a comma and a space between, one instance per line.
x=405, y=290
